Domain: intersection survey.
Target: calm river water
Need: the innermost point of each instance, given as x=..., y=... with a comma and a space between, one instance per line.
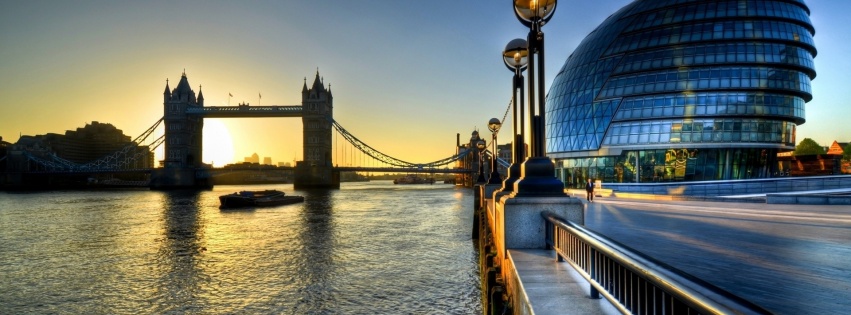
x=368, y=248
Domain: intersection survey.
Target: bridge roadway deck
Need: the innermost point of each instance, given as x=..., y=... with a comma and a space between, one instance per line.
x=270, y=168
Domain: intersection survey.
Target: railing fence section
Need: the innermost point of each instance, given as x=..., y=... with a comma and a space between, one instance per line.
x=636, y=283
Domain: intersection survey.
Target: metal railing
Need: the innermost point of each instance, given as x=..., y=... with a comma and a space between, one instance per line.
x=636, y=283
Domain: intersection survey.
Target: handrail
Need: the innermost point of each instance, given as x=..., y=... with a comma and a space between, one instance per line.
x=634, y=282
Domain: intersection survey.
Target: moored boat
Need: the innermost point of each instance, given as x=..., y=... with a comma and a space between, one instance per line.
x=413, y=179
x=261, y=198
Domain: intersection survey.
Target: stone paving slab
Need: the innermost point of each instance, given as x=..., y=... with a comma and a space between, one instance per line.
x=554, y=287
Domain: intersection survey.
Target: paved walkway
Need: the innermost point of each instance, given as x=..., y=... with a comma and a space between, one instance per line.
x=554, y=287
x=789, y=259
x=808, y=192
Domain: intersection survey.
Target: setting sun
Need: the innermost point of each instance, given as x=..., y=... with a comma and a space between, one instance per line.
x=218, y=147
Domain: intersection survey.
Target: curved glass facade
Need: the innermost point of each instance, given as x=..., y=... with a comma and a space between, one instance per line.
x=724, y=81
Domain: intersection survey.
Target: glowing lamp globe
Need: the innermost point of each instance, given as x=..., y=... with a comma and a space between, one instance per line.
x=494, y=124
x=516, y=54
x=529, y=11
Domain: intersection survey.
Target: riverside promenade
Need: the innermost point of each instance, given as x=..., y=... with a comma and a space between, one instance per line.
x=566, y=267
x=786, y=258
x=527, y=281
x=553, y=287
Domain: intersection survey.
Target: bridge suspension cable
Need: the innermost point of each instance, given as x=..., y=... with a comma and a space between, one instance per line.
x=507, y=109
x=148, y=132
x=499, y=160
x=387, y=159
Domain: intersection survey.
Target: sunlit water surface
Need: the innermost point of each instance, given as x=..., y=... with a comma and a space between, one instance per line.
x=368, y=248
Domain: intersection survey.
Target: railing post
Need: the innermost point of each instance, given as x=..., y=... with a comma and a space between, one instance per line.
x=592, y=266
x=595, y=294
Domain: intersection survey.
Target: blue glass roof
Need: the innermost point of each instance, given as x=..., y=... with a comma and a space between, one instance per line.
x=760, y=51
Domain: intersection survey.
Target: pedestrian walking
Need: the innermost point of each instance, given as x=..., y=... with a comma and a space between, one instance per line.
x=589, y=189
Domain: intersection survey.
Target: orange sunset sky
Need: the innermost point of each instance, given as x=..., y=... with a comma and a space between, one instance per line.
x=406, y=75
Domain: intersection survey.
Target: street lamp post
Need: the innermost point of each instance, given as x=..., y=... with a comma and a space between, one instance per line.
x=537, y=172
x=481, y=146
x=514, y=56
x=493, y=125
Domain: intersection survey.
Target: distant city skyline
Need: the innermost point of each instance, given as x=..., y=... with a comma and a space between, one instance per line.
x=406, y=76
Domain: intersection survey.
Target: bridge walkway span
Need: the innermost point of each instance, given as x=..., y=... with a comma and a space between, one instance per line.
x=245, y=111
x=404, y=170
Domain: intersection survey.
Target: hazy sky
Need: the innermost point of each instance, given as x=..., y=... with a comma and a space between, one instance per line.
x=406, y=75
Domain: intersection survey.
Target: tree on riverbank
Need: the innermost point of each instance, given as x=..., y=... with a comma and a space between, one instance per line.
x=808, y=147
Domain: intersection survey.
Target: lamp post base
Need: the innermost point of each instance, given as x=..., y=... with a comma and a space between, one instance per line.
x=481, y=180
x=512, y=176
x=508, y=184
x=537, y=179
x=494, y=179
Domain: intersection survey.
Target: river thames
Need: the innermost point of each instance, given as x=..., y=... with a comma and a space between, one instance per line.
x=367, y=248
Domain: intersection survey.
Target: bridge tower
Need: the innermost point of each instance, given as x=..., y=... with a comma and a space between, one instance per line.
x=182, y=166
x=316, y=168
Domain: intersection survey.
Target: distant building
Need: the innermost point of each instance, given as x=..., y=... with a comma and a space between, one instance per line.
x=836, y=148
x=285, y=164
x=86, y=144
x=3, y=152
x=811, y=164
x=470, y=161
x=254, y=158
x=267, y=161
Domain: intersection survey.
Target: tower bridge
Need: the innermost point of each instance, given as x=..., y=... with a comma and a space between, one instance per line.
x=184, y=113
x=183, y=117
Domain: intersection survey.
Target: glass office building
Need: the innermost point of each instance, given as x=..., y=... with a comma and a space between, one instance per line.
x=683, y=90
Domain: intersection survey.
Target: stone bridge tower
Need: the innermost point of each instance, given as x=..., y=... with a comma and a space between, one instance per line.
x=316, y=168
x=182, y=166
x=183, y=132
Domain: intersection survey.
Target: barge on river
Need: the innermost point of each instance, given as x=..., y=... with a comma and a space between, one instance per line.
x=413, y=179
x=262, y=198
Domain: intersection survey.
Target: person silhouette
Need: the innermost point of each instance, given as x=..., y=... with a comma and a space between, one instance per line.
x=589, y=190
